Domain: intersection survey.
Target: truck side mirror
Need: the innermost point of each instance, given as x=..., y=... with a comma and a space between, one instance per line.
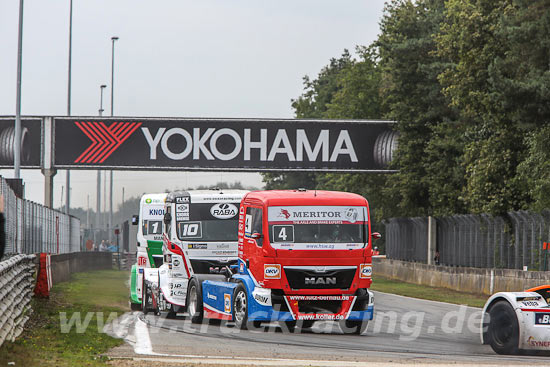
x=376, y=236
x=258, y=237
x=135, y=220
x=167, y=218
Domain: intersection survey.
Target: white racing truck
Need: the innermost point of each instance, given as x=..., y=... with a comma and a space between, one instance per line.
x=149, y=242
x=200, y=230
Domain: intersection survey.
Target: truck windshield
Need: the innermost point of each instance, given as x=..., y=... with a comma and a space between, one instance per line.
x=317, y=233
x=208, y=230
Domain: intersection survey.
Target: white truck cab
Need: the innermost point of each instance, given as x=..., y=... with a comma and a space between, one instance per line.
x=200, y=230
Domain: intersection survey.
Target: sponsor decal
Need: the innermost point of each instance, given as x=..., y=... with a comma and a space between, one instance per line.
x=105, y=140
x=241, y=267
x=530, y=303
x=316, y=214
x=148, y=201
x=319, y=316
x=142, y=261
x=176, y=262
x=352, y=214
x=223, y=210
x=182, y=199
x=365, y=271
x=538, y=343
x=272, y=271
x=156, y=212
x=182, y=208
x=227, y=302
x=211, y=296
x=197, y=246
x=261, y=298
x=319, y=298
x=542, y=318
x=178, y=293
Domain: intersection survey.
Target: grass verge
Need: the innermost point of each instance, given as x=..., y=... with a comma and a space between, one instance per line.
x=387, y=285
x=45, y=343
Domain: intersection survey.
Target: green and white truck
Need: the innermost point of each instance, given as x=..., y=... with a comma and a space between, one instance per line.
x=149, y=242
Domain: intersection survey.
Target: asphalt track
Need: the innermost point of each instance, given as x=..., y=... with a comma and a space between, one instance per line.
x=404, y=330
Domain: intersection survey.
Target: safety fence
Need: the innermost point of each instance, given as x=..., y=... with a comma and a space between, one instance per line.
x=16, y=287
x=32, y=228
x=518, y=240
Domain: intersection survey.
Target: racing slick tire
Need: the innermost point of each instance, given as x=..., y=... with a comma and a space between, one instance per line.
x=194, y=301
x=354, y=326
x=145, y=306
x=240, y=307
x=503, y=331
x=172, y=312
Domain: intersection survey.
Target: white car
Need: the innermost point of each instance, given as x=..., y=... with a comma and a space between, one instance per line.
x=517, y=321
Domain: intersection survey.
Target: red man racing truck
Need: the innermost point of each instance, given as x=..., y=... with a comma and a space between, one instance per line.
x=303, y=256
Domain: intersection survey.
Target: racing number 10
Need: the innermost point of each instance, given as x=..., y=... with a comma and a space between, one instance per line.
x=190, y=229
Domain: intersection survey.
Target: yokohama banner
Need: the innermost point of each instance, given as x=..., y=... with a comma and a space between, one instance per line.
x=222, y=144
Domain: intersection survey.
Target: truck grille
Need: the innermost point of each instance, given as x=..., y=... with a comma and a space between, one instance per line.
x=309, y=279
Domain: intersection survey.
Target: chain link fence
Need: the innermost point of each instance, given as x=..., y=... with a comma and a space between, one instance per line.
x=32, y=228
x=514, y=241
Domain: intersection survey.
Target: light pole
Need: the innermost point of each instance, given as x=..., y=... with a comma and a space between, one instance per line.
x=17, y=144
x=68, y=177
x=101, y=87
x=113, y=39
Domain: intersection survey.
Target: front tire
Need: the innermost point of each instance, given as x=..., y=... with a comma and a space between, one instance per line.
x=145, y=298
x=503, y=330
x=240, y=307
x=194, y=301
x=135, y=306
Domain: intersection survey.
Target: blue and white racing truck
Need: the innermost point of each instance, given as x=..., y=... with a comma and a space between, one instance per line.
x=199, y=233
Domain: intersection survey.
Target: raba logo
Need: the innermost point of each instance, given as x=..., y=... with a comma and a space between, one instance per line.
x=223, y=211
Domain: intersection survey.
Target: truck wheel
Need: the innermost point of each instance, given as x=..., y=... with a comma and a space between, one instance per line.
x=503, y=328
x=240, y=307
x=135, y=306
x=354, y=326
x=307, y=324
x=194, y=301
x=144, y=298
x=172, y=312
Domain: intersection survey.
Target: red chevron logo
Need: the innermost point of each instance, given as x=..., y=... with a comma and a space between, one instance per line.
x=105, y=140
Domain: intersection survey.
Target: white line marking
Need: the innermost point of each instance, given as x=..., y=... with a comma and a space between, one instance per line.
x=143, y=341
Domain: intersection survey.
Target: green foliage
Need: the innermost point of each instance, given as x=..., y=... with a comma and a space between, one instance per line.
x=534, y=171
x=468, y=82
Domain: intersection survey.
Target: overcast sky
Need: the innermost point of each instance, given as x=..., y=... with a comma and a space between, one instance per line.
x=207, y=58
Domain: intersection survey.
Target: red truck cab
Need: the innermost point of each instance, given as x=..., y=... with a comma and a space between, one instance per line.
x=310, y=252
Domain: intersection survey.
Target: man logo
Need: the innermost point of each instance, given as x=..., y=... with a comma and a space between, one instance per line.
x=223, y=211
x=272, y=271
x=320, y=280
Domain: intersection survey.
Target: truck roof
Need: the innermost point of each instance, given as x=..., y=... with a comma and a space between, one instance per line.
x=157, y=198
x=208, y=195
x=306, y=197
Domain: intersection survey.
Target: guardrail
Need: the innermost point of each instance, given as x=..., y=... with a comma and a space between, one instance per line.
x=16, y=288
